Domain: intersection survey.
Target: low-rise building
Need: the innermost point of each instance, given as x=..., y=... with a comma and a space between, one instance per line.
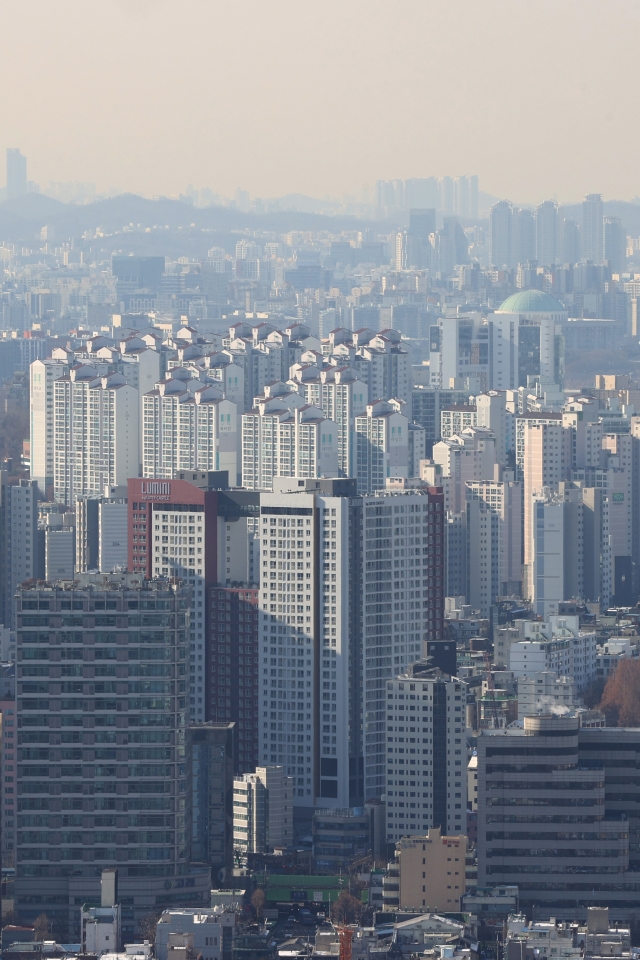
x=557, y=645
x=211, y=931
x=545, y=692
x=432, y=871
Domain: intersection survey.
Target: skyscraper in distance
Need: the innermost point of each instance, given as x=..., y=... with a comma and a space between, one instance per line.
x=547, y=233
x=615, y=244
x=16, y=173
x=524, y=236
x=592, y=228
x=501, y=219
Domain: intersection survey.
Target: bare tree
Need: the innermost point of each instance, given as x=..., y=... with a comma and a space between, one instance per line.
x=258, y=901
x=41, y=927
x=347, y=908
x=147, y=926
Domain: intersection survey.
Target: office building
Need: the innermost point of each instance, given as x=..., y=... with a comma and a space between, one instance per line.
x=527, y=340
x=352, y=608
x=9, y=733
x=21, y=548
x=102, y=532
x=342, y=836
x=16, y=173
x=494, y=542
x=459, y=353
x=102, y=746
x=210, y=752
x=95, y=438
x=426, y=763
x=592, y=228
x=262, y=811
x=59, y=548
x=501, y=235
x=432, y=871
x=533, y=787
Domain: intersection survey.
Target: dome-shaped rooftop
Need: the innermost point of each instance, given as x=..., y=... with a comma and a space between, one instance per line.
x=531, y=301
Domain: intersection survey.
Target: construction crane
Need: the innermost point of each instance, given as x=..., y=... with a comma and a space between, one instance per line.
x=491, y=690
x=346, y=940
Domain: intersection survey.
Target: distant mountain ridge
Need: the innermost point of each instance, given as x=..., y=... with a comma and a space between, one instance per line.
x=23, y=217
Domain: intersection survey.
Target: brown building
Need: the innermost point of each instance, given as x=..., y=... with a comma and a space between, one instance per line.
x=432, y=871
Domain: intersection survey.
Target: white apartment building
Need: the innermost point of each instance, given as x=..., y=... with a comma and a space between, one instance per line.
x=262, y=810
x=494, y=541
x=187, y=425
x=557, y=646
x=469, y=456
x=544, y=465
x=96, y=438
x=457, y=417
x=342, y=396
x=492, y=413
x=283, y=437
x=348, y=594
x=545, y=692
x=426, y=760
x=217, y=366
x=546, y=538
x=42, y=375
x=382, y=445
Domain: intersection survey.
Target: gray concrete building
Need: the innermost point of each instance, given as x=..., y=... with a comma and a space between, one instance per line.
x=102, y=758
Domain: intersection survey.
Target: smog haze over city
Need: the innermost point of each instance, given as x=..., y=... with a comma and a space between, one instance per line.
x=147, y=96
x=319, y=480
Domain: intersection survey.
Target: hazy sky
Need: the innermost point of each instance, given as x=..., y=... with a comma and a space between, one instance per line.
x=324, y=96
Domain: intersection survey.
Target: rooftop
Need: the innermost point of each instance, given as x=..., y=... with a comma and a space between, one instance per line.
x=531, y=301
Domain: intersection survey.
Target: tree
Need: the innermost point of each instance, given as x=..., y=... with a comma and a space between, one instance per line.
x=347, y=908
x=147, y=926
x=621, y=698
x=41, y=929
x=258, y=901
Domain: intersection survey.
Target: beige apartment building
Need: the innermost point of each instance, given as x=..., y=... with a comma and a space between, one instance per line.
x=432, y=871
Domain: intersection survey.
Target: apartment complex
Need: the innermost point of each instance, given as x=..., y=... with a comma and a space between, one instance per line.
x=426, y=782
x=351, y=589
